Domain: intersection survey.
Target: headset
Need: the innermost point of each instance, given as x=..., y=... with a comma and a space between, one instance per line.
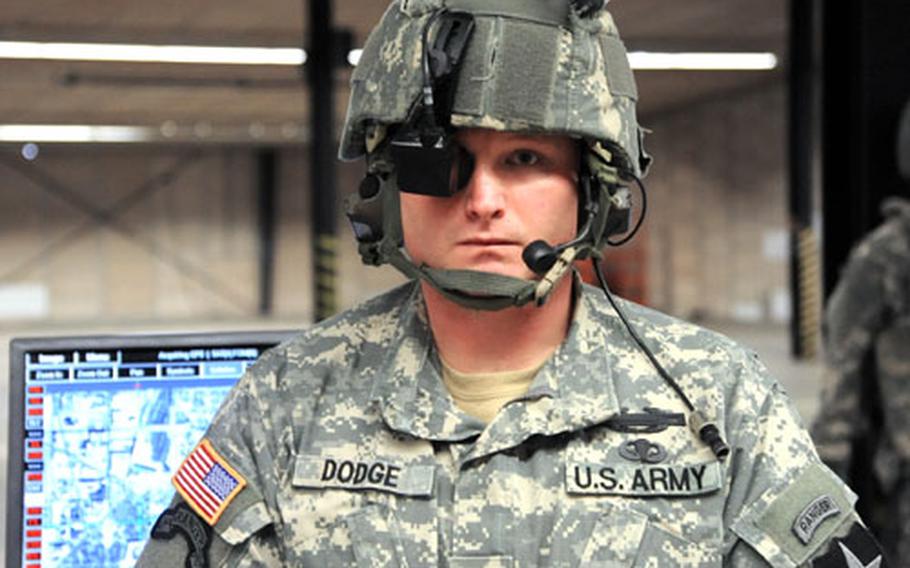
x=426, y=159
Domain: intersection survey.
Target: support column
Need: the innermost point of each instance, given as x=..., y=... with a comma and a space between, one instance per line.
x=805, y=270
x=266, y=181
x=320, y=66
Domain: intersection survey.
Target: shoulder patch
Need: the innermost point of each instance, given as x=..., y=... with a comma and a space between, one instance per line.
x=207, y=482
x=857, y=550
x=181, y=520
x=813, y=516
x=802, y=518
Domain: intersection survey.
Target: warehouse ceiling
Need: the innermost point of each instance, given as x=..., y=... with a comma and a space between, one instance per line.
x=270, y=103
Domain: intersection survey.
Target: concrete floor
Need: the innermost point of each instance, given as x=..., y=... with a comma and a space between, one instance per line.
x=802, y=380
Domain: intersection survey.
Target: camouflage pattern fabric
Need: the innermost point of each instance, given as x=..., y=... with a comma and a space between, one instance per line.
x=354, y=454
x=521, y=73
x=868, y=315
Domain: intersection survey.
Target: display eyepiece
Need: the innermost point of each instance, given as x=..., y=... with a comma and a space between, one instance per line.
x=440, y=169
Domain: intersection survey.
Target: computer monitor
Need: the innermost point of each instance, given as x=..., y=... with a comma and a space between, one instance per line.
x=98, y=425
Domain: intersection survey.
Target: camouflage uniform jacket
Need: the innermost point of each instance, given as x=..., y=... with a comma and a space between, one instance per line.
x=354, y=454
x=869, y=314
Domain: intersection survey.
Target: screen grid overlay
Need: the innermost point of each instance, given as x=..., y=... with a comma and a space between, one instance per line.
x=103, y=432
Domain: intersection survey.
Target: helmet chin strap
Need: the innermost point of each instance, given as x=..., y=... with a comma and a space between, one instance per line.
x=486, y=290
x=489, y=291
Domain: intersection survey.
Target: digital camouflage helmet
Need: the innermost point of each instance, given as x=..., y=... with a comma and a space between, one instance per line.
x=537, y=66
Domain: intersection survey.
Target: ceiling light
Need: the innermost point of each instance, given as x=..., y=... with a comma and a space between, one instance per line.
x=36, y=133
x=706, y=61
x=152, y=53
x=169, y=128
x=644, y=60
x=30, y=151
x=656, y=61
x=169, y=132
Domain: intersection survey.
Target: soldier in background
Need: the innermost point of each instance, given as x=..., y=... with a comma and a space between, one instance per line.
x=495, y=411
x=863, y=428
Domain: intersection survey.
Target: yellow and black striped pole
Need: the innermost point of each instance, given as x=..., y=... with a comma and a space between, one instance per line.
x=320, y=69
x=805, y=275
x=809, y=288
x=326, y=276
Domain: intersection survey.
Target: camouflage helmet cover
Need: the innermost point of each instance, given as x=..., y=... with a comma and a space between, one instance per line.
x=531, y=65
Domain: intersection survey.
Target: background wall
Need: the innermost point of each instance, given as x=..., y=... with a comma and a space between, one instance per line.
x=185, y=249
x=717, y=227
x=184, y=245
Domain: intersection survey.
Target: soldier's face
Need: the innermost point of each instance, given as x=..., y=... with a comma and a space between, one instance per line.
x=522, y=188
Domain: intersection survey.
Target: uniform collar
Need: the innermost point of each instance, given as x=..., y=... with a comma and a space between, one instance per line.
x=408, y=386
x=572, y=391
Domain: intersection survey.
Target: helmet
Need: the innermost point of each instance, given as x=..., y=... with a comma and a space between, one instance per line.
x=903, y=143
x=537, y=66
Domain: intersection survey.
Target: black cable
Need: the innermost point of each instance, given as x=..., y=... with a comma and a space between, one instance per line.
x=622, y=316
x=641, y=217
x=706, y=430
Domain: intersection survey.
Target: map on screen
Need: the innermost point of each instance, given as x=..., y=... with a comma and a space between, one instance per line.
x=103, y=429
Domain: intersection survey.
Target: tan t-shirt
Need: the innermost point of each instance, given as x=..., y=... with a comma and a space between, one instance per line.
x=482, y=394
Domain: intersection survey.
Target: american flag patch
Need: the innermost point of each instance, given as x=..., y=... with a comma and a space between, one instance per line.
x=207, y=483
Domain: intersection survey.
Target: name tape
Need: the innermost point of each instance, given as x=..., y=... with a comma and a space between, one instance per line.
x=378, y=474
x=643, y=480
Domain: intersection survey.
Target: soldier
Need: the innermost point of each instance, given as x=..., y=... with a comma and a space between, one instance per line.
x=495, y=411
x=867, y=325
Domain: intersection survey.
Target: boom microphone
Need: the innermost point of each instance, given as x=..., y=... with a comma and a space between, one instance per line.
x=540, y=255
